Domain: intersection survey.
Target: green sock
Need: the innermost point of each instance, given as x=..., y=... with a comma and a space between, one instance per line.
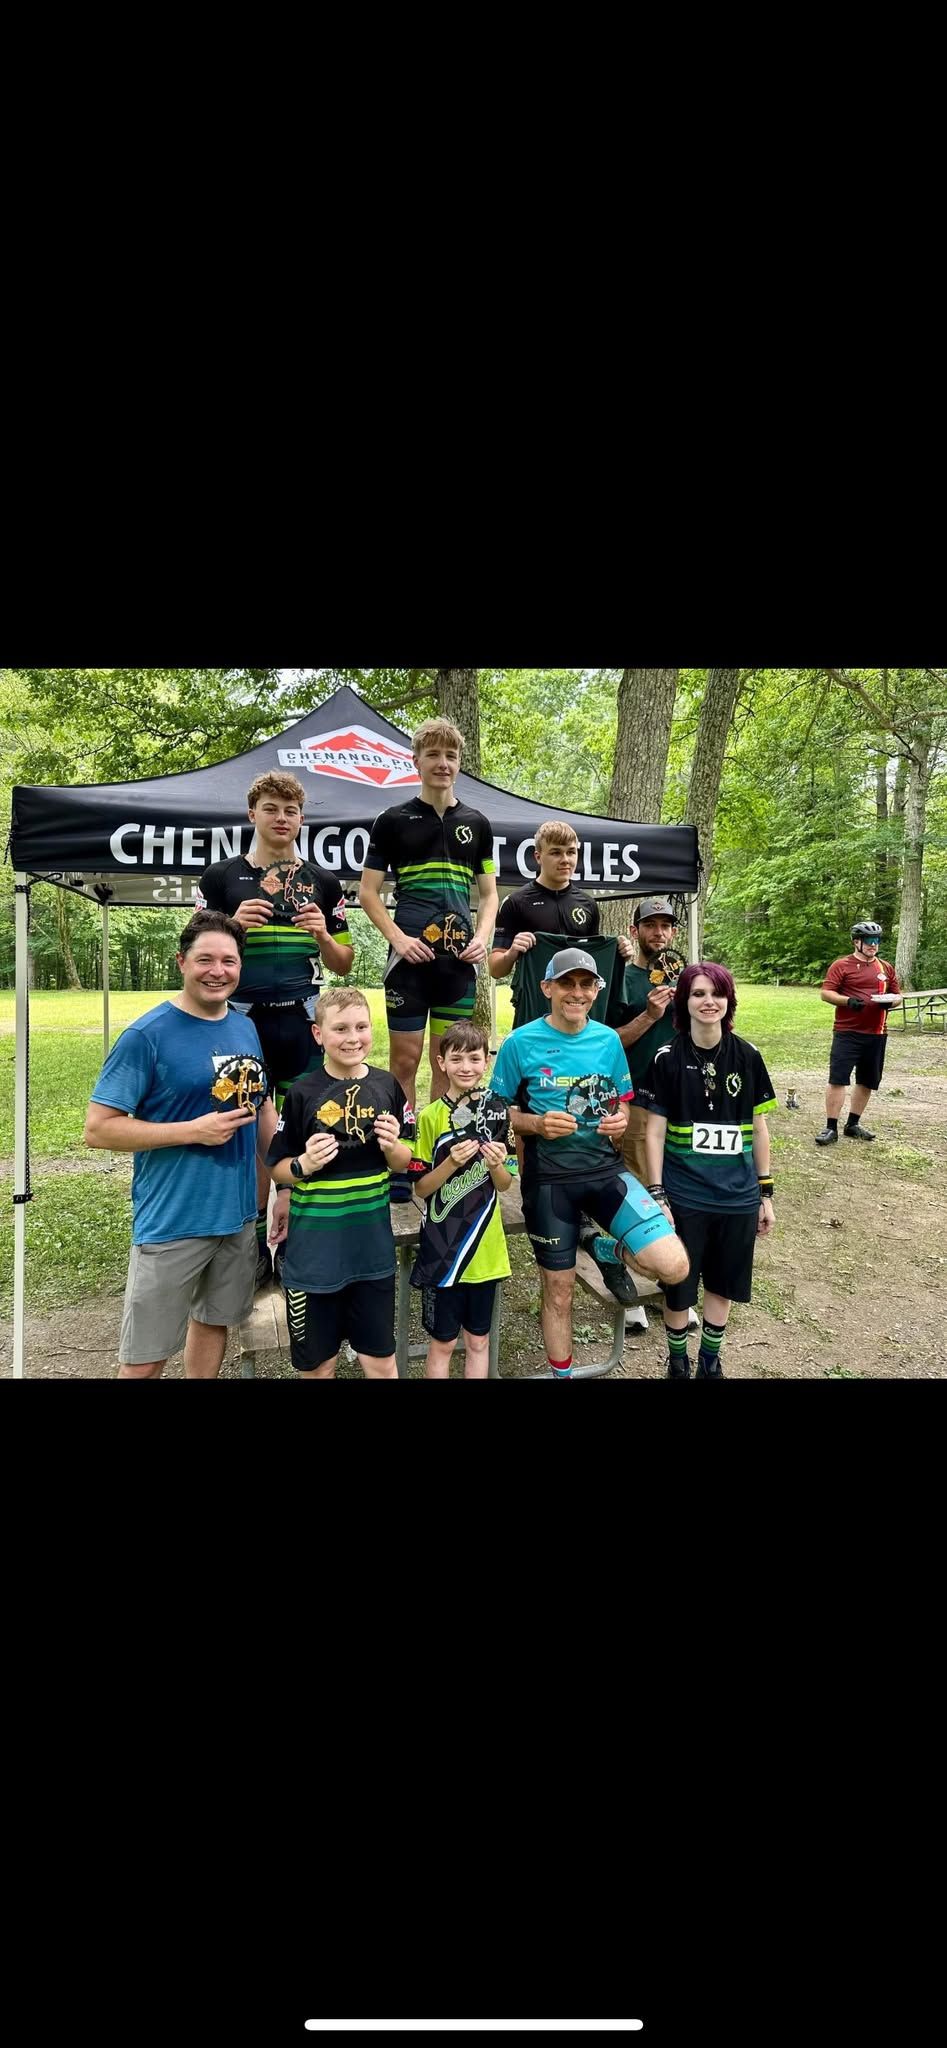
x=711, y=1339
x=677, y=1343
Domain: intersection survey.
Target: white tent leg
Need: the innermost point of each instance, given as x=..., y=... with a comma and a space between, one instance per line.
x=20, y=1131
x=692, y=930
x=106, y=981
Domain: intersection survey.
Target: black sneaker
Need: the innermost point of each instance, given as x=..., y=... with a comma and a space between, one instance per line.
x=859, y=1131
x=611, y=1266
x=678, y=1368
x=827, y=1137
x=278, y=1257
x=264, y=1267
x=709, y=1372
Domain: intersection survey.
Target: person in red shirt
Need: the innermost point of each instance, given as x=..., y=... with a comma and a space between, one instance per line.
x=863, y=988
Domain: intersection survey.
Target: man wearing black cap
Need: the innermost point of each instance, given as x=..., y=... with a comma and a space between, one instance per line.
x=567, y=1079
x=648, y=994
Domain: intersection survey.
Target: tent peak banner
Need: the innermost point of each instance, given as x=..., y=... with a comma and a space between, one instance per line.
x=150, y=841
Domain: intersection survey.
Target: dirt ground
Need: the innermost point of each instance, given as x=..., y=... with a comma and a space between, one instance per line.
x=853, y=1284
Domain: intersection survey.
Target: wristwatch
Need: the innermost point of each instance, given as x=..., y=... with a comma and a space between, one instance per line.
x=296, y=1170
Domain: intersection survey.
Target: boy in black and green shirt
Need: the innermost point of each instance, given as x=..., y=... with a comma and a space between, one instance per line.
x=439, y=851
x=339, y=1135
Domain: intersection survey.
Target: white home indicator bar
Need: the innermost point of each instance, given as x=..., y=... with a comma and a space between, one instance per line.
x=475, y=2026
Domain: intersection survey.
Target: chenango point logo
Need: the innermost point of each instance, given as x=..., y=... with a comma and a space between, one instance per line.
x=354, y=754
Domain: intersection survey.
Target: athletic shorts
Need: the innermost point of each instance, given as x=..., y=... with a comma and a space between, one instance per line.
x=445, y=1311
x=720, y=1248
x=443, y=988
x=289, y=1049
x=204, y=1279
x=553, y=1211
x=364, y=1312
x=856, y=1049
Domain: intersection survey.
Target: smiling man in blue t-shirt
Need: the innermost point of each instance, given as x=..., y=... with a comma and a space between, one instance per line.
x=567, y=1079
x=185, y=1089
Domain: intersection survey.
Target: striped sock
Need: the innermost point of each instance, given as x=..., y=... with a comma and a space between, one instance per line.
x=561, y=1368
x=711, y=1339
x=677, y=1343
x=261, y=1225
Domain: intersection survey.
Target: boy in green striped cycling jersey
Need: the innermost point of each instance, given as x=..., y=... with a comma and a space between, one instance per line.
x=342, y=1130
x=437, y=848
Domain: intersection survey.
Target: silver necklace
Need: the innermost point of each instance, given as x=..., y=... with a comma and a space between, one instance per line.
x=708, y=1068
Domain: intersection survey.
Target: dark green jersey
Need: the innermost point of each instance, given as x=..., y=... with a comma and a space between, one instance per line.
x=709, y=1101
x=529, y=998
x=637, y=989
x=340, y=1221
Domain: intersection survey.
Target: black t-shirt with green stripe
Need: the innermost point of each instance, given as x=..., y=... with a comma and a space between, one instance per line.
x=435, y=860
x=708, y=1147
x=340, y=1220
x=280, y=963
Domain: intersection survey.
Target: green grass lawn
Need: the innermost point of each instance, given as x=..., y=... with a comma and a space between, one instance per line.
x=790, y=1025
x=77, y=1225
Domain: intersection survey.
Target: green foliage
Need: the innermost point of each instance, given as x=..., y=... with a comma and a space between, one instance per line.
x=799, y=850
x=78, y=1230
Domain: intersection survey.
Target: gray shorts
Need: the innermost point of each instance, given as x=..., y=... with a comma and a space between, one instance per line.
x=208, y=1279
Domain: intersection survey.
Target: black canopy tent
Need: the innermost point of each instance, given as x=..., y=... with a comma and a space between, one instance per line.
x=148, y=843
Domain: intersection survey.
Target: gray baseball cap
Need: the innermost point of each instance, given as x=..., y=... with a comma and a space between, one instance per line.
x=571, y=961
x=655, y=906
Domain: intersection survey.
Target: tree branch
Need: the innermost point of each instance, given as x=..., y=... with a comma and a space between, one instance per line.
x=879, y=715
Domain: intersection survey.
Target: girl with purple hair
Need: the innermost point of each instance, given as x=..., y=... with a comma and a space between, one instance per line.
x=707, y=1094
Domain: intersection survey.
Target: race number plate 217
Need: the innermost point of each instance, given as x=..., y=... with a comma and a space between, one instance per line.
x=718, y=1139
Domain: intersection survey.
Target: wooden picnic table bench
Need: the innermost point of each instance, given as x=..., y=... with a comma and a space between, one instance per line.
x=266, y=1330
x=923, y=1005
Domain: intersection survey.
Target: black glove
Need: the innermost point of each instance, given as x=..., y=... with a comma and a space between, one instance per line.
x=855, y=1003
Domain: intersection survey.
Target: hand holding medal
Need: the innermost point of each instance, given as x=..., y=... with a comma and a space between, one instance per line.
x=481, y=1116
x=666, y=969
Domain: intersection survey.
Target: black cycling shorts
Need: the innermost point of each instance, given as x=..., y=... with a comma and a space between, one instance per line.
x=441, y=987
x=445, y=1311
x=364, y=1312
x=553, y=1211
x=720, y=1247
x=858, y=1050
x=289, y=1049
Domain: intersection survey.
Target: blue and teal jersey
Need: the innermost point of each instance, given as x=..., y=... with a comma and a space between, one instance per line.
x=584, y=1073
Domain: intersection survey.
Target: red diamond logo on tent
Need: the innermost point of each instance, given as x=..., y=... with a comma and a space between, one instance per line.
x=355, y=754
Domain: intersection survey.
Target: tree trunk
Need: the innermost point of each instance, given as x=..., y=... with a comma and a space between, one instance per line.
x=458, y=698
x=915, y=819
x=645, y=710
x=716, y=716
x=62, y=920
x=882, y=852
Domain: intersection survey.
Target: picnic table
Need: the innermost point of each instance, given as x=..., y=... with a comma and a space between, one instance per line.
x=922, y=1006
x=266, y=1330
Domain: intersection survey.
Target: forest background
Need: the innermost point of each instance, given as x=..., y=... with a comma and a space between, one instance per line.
x=820, y=795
